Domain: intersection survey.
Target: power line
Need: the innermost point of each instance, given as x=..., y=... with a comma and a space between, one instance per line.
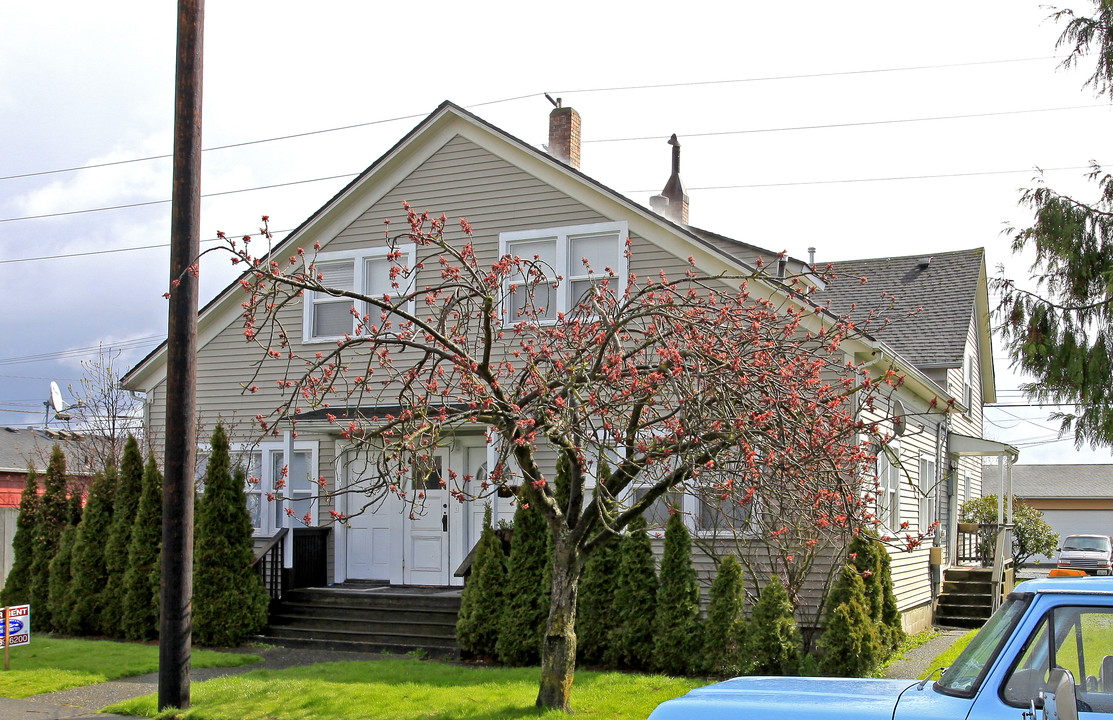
x=767, y=78
x=167, y=202
x=78, y=352
x=864, y=123
x=247, y=143
x=749, y=186
x=891, y=178
x=156, y=246
x=369, y=123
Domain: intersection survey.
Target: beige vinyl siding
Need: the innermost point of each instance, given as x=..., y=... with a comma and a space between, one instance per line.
x=460, y=180
x=911, y=572
x=969, y=423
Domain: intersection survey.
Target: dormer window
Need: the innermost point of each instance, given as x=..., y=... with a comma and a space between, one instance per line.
x=560, y=277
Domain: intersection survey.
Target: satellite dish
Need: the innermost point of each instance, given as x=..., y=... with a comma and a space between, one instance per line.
x=56, y=403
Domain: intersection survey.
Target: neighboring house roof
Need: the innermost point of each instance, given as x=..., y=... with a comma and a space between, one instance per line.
x=1063, y=481
x=19, y=446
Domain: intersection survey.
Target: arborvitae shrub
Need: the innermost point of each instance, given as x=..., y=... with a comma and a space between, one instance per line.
x=525, y=604
x=724, y=631
x=677, y=636
x=477, y=625
x=17, y=587
x=865, y=556
x=595, y=600
x=634, y=613
x=125, y=505
x=871, y=560
x=851, y=644
x=90, y=574
x=61, y=570
x=890, y=615
x=774, y=638
x=229, y=601
x=53, y=516
x=139, y=616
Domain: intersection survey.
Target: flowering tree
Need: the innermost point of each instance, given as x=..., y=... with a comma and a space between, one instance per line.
x=690, y=384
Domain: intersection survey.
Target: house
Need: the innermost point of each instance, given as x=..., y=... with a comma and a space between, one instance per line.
x=512, y=194
x=21, y=448
x=941, y=339
x=1074, y=499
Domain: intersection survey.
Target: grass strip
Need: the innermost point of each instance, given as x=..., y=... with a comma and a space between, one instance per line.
x=947, y=657
x=397, y=689
x=50, y=664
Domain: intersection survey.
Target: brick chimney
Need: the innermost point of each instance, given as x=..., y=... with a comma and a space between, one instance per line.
x=564, y=135
x=673, y=201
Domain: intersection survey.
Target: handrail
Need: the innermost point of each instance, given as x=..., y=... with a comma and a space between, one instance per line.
x=270, y=544
x=269, y=565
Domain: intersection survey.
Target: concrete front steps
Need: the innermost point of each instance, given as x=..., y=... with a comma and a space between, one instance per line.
x=367, y=618
x=967, y=599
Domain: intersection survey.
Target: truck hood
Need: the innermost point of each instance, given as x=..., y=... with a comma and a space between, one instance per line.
x=788, y=697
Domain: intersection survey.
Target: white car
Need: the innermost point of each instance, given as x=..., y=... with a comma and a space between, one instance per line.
x=1092, y=554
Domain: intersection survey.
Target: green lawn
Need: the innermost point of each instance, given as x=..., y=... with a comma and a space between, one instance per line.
x=49, y=664
x=412, y=690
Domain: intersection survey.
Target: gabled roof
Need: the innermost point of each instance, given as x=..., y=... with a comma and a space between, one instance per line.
x=1063, y=481
x=447, y=121
x=944, y=294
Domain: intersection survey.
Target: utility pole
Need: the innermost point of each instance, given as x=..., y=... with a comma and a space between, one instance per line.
x=175, y=620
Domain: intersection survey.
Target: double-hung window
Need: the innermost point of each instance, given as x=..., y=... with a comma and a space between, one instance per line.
x=927, y=492
x=330, y=317
x=725, y=515
x=565, y=262
x=888, y=486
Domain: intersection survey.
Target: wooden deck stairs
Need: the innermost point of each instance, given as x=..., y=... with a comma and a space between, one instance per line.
x=967, y=598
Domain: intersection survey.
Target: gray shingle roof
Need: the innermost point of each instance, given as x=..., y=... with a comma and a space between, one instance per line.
x=1063, y=481
x=944, y=292
x=18, y=445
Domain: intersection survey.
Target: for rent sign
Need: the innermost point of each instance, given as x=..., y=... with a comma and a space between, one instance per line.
x=18, y=631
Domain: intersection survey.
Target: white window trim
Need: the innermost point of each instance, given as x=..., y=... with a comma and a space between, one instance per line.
x=888, y=486
x=572, y=267
x=925, y=499
x=359, y=260
x=267, y=509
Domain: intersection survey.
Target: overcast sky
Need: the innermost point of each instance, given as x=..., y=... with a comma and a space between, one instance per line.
x=865, y=129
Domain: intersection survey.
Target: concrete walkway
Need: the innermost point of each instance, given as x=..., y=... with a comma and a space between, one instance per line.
x=916, y=662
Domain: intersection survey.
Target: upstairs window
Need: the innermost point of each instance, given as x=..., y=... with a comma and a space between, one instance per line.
x=927, y=492
x=888, y=486
x=329, y=317
x=561, y=278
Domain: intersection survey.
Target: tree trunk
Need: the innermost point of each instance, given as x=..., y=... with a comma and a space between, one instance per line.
x=558, y=649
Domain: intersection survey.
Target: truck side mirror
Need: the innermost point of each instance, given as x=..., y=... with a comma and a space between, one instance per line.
x=1060, y=702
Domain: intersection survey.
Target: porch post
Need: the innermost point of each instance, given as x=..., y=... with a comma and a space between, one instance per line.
x=288, y=459
x=1001, y=492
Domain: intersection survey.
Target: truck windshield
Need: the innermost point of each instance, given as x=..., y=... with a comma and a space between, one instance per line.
x=963, y=677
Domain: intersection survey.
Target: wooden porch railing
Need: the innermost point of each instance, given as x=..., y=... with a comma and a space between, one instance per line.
x=268, y=563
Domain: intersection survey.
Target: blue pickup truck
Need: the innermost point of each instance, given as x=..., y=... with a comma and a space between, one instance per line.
x=1046, y=654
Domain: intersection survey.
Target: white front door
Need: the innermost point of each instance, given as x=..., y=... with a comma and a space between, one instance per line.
x=371, y=535
x=427, y=527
